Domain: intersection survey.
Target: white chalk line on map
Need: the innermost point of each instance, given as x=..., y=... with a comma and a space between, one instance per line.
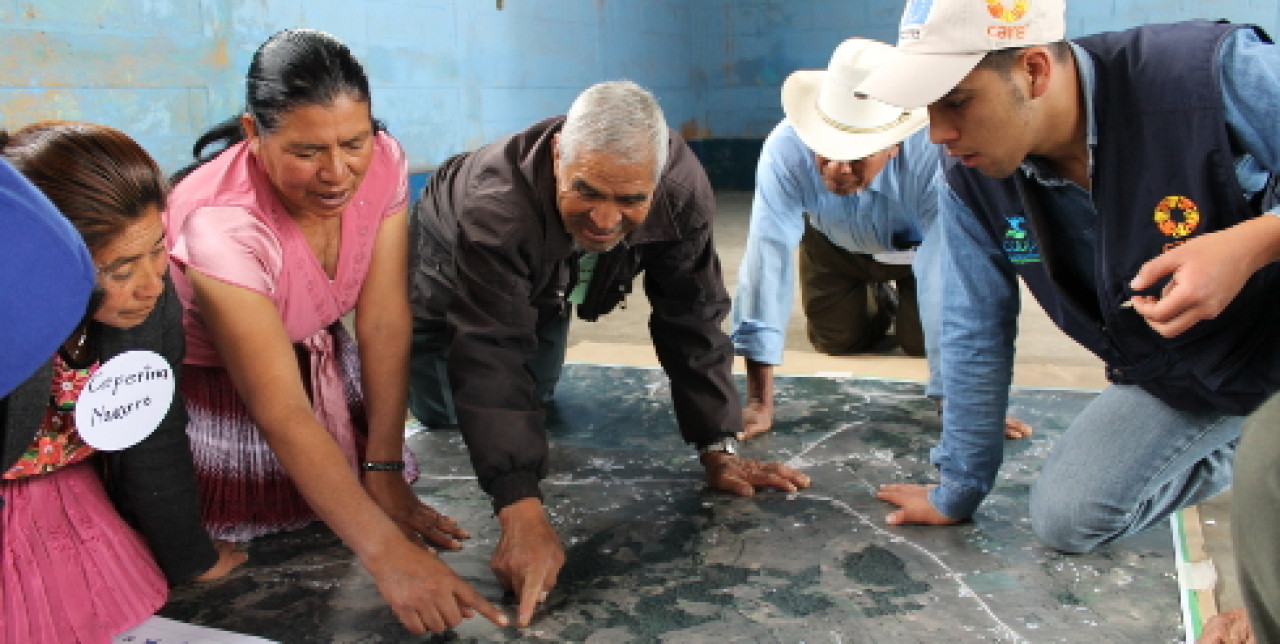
x=794, y=461
x=1005, y=631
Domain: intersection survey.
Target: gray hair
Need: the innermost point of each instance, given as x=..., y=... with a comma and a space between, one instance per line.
x=619, y=118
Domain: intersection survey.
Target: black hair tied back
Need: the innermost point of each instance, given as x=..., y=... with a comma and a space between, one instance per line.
x=293, y=68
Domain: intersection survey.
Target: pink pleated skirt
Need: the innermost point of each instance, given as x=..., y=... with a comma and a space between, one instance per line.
x=71, y=570
x=244, y=490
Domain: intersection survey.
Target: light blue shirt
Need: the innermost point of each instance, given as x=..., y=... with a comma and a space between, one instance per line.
x=900, y=203
x=980, y=289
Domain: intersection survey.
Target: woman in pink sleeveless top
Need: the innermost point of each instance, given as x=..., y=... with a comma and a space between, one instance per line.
x=301, y=220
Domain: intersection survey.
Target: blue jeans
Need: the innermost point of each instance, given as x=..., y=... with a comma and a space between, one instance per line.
x=1125, y=464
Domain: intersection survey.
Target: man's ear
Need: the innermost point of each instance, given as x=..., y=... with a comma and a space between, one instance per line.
x=1037, y=63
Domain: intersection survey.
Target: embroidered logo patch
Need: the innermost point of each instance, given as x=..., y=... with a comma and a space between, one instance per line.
x=1015, y=13
x=1176, y=216
x=1019, y=246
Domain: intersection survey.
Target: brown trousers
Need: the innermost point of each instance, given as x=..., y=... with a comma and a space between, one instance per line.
x=848, y=301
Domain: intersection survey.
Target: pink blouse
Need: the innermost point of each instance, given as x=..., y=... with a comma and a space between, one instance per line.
x=226, y=221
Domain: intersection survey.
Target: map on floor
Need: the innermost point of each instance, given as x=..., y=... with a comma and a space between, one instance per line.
x=653, y=555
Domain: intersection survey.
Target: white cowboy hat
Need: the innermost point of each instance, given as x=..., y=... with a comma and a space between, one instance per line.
x=834, y=119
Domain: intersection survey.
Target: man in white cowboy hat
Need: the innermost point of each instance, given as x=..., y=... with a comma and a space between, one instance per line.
x=1119, y=176
x=836, y=180
x=850, y=181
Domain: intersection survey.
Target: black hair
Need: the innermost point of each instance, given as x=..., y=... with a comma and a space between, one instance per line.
x=293, y=68
x=1002, y=60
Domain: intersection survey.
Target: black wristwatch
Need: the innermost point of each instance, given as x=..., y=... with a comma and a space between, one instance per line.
x=728, y=445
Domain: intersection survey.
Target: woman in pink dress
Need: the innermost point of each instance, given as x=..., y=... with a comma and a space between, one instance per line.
x=71, y=568
x=300, y=220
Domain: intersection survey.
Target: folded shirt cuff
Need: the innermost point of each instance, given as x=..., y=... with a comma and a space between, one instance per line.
x=757, y=342
x=512, y=487
x=956, y=500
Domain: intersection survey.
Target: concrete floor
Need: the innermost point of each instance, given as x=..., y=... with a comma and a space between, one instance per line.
x=1045, y=358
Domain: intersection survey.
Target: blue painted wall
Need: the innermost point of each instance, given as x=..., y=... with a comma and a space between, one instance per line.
x=449, y=75
x=749, y=46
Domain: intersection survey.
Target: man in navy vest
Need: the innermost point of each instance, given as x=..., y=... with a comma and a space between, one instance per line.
x=1117, y=175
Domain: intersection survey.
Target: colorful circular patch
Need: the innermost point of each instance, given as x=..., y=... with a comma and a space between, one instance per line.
x=1171, y=226
x=1014, y=14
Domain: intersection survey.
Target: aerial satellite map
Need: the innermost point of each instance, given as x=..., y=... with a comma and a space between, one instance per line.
x=653, y=555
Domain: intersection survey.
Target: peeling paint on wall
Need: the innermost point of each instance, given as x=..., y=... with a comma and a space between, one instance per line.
x=21, y=107
x=445, y=76
x=692, y=129
x=219, y=56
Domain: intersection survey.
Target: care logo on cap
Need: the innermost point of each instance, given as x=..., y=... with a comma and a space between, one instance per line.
x=125, y=400
x=1008, y=13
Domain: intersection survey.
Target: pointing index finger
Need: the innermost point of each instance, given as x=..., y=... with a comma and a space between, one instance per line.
x=473, y=601
x=531, y=595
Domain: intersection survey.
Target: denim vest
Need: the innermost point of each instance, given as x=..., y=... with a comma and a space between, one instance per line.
x=1164, y=173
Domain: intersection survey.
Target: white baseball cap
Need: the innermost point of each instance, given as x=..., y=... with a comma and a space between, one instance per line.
x=941, y=41
x=835, y=120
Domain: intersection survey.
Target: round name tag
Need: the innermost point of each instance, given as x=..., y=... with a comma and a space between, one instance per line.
x=125, y=400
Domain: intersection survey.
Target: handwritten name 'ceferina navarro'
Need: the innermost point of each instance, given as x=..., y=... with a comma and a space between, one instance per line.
x=108, y=414
x=115, y=382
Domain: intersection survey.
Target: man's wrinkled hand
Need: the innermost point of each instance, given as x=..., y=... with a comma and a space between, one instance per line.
x=913, y=504
x=528, y=557
x=742, y=476
x=757, y=418
x=415, y=518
